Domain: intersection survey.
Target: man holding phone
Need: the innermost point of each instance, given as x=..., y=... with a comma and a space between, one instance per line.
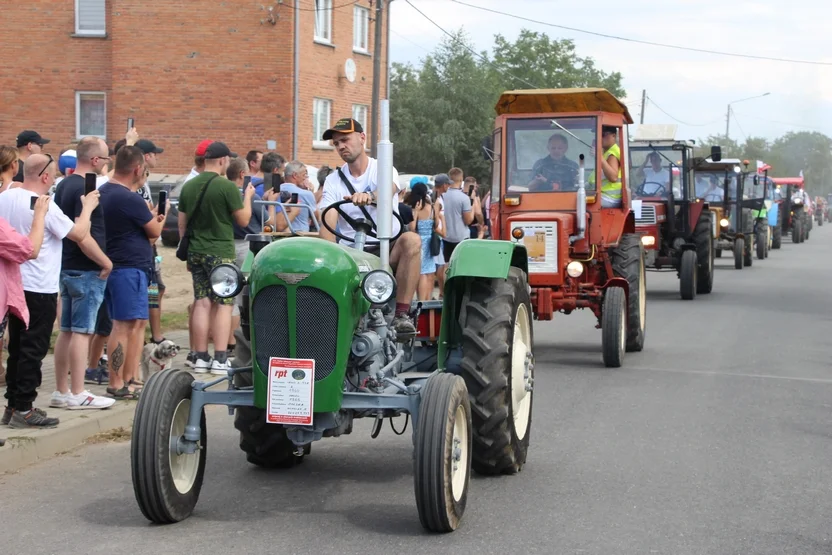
x=41, y=279
x=294, y=175
x=84, y=272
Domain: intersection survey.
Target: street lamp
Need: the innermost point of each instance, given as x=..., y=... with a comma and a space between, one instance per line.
x=728, y=114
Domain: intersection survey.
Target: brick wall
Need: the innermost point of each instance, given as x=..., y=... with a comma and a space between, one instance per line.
x=185, y=71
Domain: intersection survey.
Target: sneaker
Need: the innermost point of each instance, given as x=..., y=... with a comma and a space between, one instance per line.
x=220, y=368
x=32, y=419
x=190, y=360
x=97, y=376
x=201, y=366
x=86, y=400
x=7, y=416
x=403, y=325
x=58, y=400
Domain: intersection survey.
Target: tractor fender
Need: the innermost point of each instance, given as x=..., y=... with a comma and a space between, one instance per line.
x=630, y=223
x=618, y=282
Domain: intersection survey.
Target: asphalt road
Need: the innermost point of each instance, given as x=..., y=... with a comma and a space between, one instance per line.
x=716, y=439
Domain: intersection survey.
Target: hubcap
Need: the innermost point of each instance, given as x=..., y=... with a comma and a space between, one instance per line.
x=522, y=364
x=184, y=467
x=459, y=454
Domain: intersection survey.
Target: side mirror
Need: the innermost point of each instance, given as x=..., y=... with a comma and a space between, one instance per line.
x=756, y=180
x=487, y=148
x=716, y=153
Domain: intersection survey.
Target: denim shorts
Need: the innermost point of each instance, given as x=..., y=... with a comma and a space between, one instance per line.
x=126, y=295
x=82, y=293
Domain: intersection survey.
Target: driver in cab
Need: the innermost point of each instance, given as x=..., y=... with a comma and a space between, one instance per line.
x=656, y=177
x=357, y=181
x=555, y=172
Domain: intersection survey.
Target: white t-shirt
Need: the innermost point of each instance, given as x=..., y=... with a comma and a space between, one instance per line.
x=651, y=177
x=42, y=274
x=191, y=175
x=335, y=190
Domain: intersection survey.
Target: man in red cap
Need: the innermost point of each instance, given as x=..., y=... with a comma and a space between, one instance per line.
x=199, y=159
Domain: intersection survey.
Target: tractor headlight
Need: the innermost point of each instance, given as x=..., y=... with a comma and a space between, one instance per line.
x=724, y=222
x=648, y=240
x=574, y=269
x=378, y=286
x=797, y=201
x=226, y=281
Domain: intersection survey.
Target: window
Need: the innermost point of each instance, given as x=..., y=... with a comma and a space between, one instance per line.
x=323, y=20
x=359, y=114
x=321, y=110
x=90, y=114
x=90, y=18
x=361, y=29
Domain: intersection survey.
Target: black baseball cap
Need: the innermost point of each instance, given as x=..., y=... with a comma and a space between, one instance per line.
x=29, y=136
x=343, y=125
x=442, y=179
x=147, y=146
x=218, y=150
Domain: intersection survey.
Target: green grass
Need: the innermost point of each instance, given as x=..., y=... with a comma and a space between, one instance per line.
x=171, y=321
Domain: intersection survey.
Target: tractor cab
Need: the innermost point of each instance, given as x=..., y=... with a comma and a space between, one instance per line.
x=551, y=195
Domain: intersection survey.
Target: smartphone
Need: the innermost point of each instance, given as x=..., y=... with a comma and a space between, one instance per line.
x=285, y=197
x=32, y=203
x=131, y=123
x=267, y=181
x=246, y=182
x=163, y=200
x=471, y=190
x=294, y=198
x=89, y=182
x=277, y=181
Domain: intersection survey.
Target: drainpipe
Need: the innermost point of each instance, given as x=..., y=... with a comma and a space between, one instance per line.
x=296, y=82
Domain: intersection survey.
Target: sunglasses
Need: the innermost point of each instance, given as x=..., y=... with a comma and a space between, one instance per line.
x=49, y=163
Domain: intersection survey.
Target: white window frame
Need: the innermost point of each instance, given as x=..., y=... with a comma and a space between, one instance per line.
x=87, y=32
x=361, y=26
x=317, y=132
x=323, y=14
x=356, y=112
x=78, y=133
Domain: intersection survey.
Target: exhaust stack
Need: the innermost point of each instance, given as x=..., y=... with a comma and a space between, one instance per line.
x=580, y=209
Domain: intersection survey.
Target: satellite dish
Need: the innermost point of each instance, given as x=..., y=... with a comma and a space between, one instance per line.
x=349, y=70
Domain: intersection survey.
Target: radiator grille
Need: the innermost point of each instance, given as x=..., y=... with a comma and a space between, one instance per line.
x=317, y=329
x=270, y=314
x=648, y=215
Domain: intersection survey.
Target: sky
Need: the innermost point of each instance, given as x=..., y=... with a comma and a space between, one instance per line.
x=693, y=88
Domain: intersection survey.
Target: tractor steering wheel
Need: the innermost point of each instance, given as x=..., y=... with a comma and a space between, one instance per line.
x=366, y=226
x=660, y=192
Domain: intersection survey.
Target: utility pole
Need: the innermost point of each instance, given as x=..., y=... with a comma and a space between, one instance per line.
x=376, y=79
x=727, y=121
x=643, y=104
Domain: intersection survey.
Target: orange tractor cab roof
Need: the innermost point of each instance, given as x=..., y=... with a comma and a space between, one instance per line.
x=788, y=181
x=542, y=101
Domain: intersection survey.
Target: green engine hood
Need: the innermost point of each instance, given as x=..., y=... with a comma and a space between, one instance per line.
x=305, y=302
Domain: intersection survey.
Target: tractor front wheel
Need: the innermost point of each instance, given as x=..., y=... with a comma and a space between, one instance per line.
x=797, y=231
x=747, y=253
x=687, y=276
x=777, y=237
x=442, y=454
x=498, y=369
x=265, y=445
x=704, y=255
x=166, y=480
x=762, y=242
x=739, y=250
x=718, y=253
x=614, y=327
x=628, y=262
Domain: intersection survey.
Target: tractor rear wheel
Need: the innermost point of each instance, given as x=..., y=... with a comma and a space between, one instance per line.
x=628, y=262
x=166, y=482
x=442, y=453
x=264, y=444
x=776, y=237
x=704, y=254
x=748, y=256
x=498, y=369
x=739, y=248
x=687, y=276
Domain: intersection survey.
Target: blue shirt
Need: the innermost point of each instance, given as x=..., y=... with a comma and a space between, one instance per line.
x=255, y=224
x=301, y=222
x=125, y=215
x=257, y=183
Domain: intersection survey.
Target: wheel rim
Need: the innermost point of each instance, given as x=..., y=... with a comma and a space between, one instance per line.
x=459, y=454
x=184, y=467
x=642, y=297
x=522, y=365
x=623, y=328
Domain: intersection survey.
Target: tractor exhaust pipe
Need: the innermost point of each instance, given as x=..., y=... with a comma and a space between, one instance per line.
x=384, y=211
x=580, y=209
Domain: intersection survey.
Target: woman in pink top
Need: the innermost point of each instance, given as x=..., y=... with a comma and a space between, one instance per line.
x=15, y=249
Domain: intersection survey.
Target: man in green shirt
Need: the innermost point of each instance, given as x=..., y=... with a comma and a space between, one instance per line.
x=212, y=244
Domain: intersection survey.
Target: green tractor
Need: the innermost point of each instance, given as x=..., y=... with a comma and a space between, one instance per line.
x=316, y=351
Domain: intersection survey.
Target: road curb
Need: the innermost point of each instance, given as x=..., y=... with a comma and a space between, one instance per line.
x=25, y=447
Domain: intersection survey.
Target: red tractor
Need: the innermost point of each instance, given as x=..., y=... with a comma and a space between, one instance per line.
x=547, y=150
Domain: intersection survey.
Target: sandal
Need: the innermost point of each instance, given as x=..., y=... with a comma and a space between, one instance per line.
x=138, y=383
x=123, y=393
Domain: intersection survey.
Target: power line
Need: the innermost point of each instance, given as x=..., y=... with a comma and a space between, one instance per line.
x=653, y=102
x=477, y=54
x=787, y=123
x=744, y=136
x=316, y=9
x=649, y=43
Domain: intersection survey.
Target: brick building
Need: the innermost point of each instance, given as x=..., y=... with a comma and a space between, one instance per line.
x=187, y=71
